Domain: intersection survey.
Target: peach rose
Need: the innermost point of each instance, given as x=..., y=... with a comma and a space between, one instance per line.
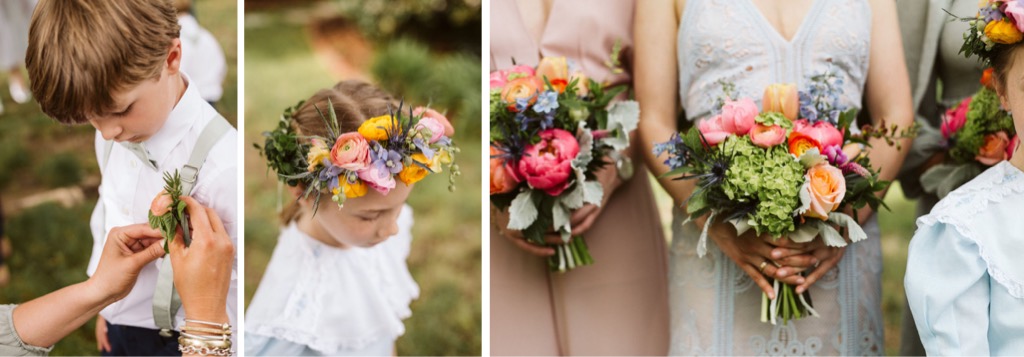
x=825, y=187
x=782, y=98
x=994, y=149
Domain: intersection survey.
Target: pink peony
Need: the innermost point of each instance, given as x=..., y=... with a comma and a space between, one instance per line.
x=436, y=122
x=502, y=178
x=954, y=119
x=499, y=79
x=824, y=133
x=767, y=136
x=378, y=177
x=351, y=151
x=738, y=116
x=161, y=204
x=713, y=130
x=547, y=165
x=995, y=149
x=1015, y=11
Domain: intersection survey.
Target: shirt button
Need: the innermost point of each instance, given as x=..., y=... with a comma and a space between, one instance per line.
x=133, y=164
x=124, y=210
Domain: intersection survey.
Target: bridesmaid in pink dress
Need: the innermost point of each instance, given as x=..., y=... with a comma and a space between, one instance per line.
x=618, y=305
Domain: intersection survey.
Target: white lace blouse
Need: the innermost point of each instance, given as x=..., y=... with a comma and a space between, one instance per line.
x=315, y=299
x=965, y=275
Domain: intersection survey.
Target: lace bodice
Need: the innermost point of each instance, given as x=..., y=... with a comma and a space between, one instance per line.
x=730, y=40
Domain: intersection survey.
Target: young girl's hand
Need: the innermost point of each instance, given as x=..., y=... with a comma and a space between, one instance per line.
x=202, y=271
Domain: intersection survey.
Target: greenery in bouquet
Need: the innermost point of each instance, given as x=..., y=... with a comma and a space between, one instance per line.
x=782, y=171
x=551, y=129
x=977, y=133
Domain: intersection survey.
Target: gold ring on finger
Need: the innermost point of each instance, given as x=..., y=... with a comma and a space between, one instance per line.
x=763, y=264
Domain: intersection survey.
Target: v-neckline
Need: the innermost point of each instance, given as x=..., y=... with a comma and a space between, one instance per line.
x=763, y=20
x=539, y=40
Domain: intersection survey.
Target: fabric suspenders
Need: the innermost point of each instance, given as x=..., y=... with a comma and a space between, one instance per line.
x=166, y=300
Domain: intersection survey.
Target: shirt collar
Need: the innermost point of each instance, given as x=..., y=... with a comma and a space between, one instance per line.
x=178, y=123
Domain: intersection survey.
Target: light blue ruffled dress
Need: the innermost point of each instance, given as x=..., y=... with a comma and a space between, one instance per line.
x=965, y=271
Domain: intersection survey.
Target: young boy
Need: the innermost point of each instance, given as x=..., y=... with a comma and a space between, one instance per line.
x=115, y=64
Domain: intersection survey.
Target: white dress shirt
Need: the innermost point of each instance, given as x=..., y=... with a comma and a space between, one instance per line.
x=128, y=187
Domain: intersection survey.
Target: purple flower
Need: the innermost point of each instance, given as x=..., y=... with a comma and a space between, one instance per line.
x=836, y=156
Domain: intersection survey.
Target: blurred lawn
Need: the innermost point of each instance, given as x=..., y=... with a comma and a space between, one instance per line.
x=52, y=244
x=897, y=227
x=445, y=260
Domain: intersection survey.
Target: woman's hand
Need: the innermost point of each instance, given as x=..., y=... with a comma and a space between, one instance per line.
x=580, y=219
x=799, y=257
x=749, y=252
x=127, y=250
x=202, y=271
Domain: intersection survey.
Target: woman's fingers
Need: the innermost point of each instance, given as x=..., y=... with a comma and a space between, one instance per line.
x=533, y=248
x=759, y=279
x=836, y=254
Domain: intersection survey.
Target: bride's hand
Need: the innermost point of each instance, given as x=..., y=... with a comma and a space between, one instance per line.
x=799, y=257
x=748, y=252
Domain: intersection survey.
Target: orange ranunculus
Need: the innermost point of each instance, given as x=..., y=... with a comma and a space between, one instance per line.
x=994, y=149
x=523, y=87
x=782, y=98
x=800, y=143
x=502, y=179
x=556, y=71
x=1003, y=31
x=986, y=79
x=826, y=188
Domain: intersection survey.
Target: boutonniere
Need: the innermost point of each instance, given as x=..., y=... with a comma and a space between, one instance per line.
x=168, y=210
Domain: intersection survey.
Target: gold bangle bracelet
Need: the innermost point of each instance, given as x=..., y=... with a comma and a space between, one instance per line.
x=206, y=329
x=185, y=341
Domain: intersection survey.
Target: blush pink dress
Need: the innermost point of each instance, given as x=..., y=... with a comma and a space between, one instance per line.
x=618, y=305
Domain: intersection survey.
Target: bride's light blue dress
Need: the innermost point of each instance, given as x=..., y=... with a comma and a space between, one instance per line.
x=965, y=272
x=715, y=306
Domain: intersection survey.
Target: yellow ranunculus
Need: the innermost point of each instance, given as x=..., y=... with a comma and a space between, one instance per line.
x=376, y=128
x=411, y=174
x=1003, y=31
x=353, y=190
x=317, y=153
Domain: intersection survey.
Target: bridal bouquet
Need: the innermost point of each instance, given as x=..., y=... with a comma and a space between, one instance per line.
x=551, y=129
x=780, y=171
x=977, y=134
x=167, y=211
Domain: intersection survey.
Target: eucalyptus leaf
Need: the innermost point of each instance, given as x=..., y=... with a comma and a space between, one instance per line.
x=560, y=215
x=586, y=144
x=522, y=213
x=831, y=237
x=853, y=228
x=622, y=119
x=593, y=192
x=805, y=233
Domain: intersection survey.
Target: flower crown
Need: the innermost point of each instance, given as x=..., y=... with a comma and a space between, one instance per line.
x=998, y=23
x=392, y=146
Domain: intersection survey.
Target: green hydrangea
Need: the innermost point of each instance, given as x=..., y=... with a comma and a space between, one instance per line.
x=984, y=116
x=771, y=177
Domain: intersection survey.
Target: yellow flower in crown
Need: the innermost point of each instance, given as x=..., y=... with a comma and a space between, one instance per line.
x=1003, y=31
x=317, y=153
x=377, y=128
x=410, y=174
x=350, y=190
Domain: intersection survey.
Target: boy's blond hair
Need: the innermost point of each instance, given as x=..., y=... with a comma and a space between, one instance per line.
x=79, y=51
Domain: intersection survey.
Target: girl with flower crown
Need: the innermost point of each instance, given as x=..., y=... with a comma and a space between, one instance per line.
x=689, y=49
x=338, y=283
x=964, y=280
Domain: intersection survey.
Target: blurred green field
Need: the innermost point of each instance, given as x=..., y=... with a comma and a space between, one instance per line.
x=897, y=227
x=281, y=69
x=52, y=243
